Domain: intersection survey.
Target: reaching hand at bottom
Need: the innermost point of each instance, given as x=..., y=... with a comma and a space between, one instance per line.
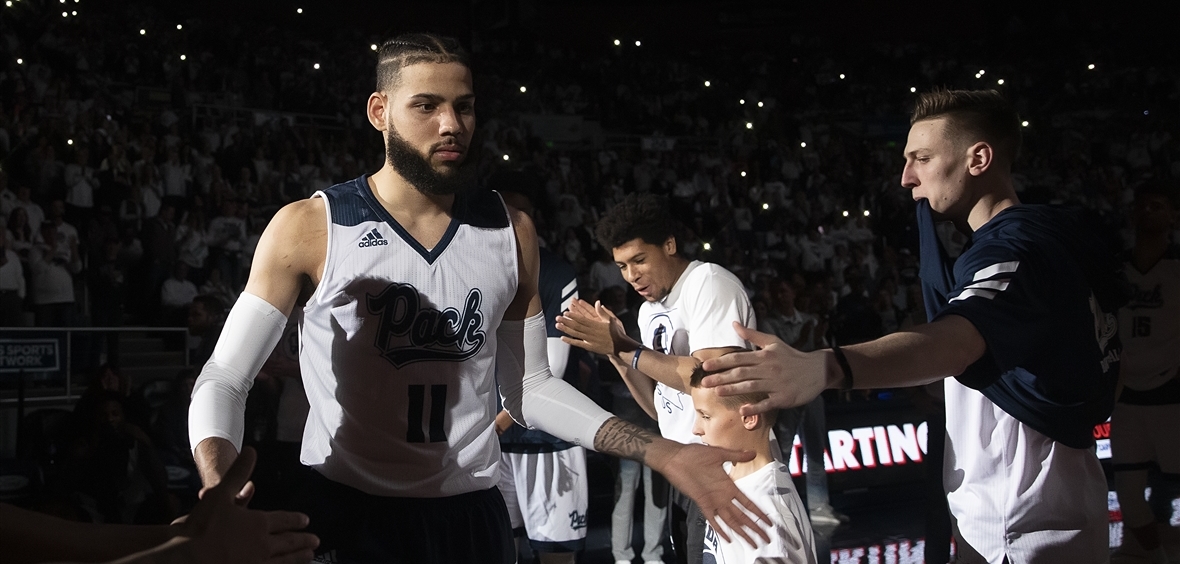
x=223, y=530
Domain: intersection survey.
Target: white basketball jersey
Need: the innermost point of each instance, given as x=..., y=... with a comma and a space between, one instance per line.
x=1149, y=325
x=399, y=345
x=698, y=313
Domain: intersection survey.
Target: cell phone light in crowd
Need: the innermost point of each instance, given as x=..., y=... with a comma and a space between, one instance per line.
x=759, y=104
x=505, y=157
x=845, y=213
x=8, y=3
x=65, y=14
x=1024, y=123
x=20, y=61
x=141, y=30
x=182, y=57
x=523, y=89
x=765, y=206
x=742, y=101
x=74, y=13
x=749, y=125
x=913, y=89
x=373, y=46
x=841, y=76
x=298, y=10
x=617, y=43
x=866, y=213
x=1146, y=112
x=1090, y=66
x=803, y=144
x=69, y=141
x=638, y=43
x=707, y=247
x=316, y=66
x=982, y=72
x=1000, y=82
x=743, y=174
x=708, y=84
x=179, y=27
x=977, y=75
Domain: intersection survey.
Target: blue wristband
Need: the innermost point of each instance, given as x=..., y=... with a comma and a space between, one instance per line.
x=635, y=359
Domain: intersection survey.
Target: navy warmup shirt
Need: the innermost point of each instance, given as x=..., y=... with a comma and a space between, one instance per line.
x=1043, y=293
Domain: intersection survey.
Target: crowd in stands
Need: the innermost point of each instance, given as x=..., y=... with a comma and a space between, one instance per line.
x=139, y=169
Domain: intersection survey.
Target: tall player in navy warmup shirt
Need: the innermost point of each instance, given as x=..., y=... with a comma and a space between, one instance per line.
x=421, y=295
x=1023, y=321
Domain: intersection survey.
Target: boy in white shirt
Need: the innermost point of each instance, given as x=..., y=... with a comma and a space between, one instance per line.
x=766, y=481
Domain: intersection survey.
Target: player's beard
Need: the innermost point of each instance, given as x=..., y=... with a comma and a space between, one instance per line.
x=451, y=178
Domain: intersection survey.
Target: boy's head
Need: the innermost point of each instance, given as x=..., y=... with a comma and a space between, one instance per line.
x=719, y=421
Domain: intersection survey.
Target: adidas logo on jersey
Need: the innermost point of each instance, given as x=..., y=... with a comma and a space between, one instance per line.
x=373, y=239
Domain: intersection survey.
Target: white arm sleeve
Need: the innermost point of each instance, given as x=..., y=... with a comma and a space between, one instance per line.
x=218, y=407
x=558, y=355
x=532, y=396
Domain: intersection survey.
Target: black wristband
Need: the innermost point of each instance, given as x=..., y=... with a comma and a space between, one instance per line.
x=846, y=383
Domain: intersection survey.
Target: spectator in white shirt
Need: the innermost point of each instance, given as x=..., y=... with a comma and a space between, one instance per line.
x=176, y=175
x=81, y=183
x=176, y=294
x=34, y=211
x=12, y=286
x=53, y=262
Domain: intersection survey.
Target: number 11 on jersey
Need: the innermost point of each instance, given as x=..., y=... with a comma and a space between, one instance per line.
x=438, y=411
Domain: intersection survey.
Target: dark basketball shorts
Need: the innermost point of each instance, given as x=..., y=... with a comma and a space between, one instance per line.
x=355, y=527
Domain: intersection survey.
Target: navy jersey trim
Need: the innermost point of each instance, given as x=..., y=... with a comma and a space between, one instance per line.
x=482, y=209
x=428, y=255
x=353, y=203
x=348, y=207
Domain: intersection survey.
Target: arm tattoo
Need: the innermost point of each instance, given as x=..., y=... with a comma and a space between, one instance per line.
x=623, y=439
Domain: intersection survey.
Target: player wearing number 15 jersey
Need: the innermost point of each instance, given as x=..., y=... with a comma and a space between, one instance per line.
x=422, y=298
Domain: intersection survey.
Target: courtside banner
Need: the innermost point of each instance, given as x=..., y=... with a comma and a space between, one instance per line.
x=29, y=355
x=877, y=447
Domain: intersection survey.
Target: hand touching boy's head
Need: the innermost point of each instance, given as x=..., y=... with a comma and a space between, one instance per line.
x=718, y=421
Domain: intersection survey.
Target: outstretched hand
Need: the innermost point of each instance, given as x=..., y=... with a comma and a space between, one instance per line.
x=789, y=377
x=222, y=529
x=594, y=328
x=698, y=471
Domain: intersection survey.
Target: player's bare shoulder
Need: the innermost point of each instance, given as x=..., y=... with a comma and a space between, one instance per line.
x=296, y=239
x=526, y=230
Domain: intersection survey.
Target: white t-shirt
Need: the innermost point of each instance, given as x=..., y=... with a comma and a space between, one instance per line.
x=791, y=539
x=697, y=314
